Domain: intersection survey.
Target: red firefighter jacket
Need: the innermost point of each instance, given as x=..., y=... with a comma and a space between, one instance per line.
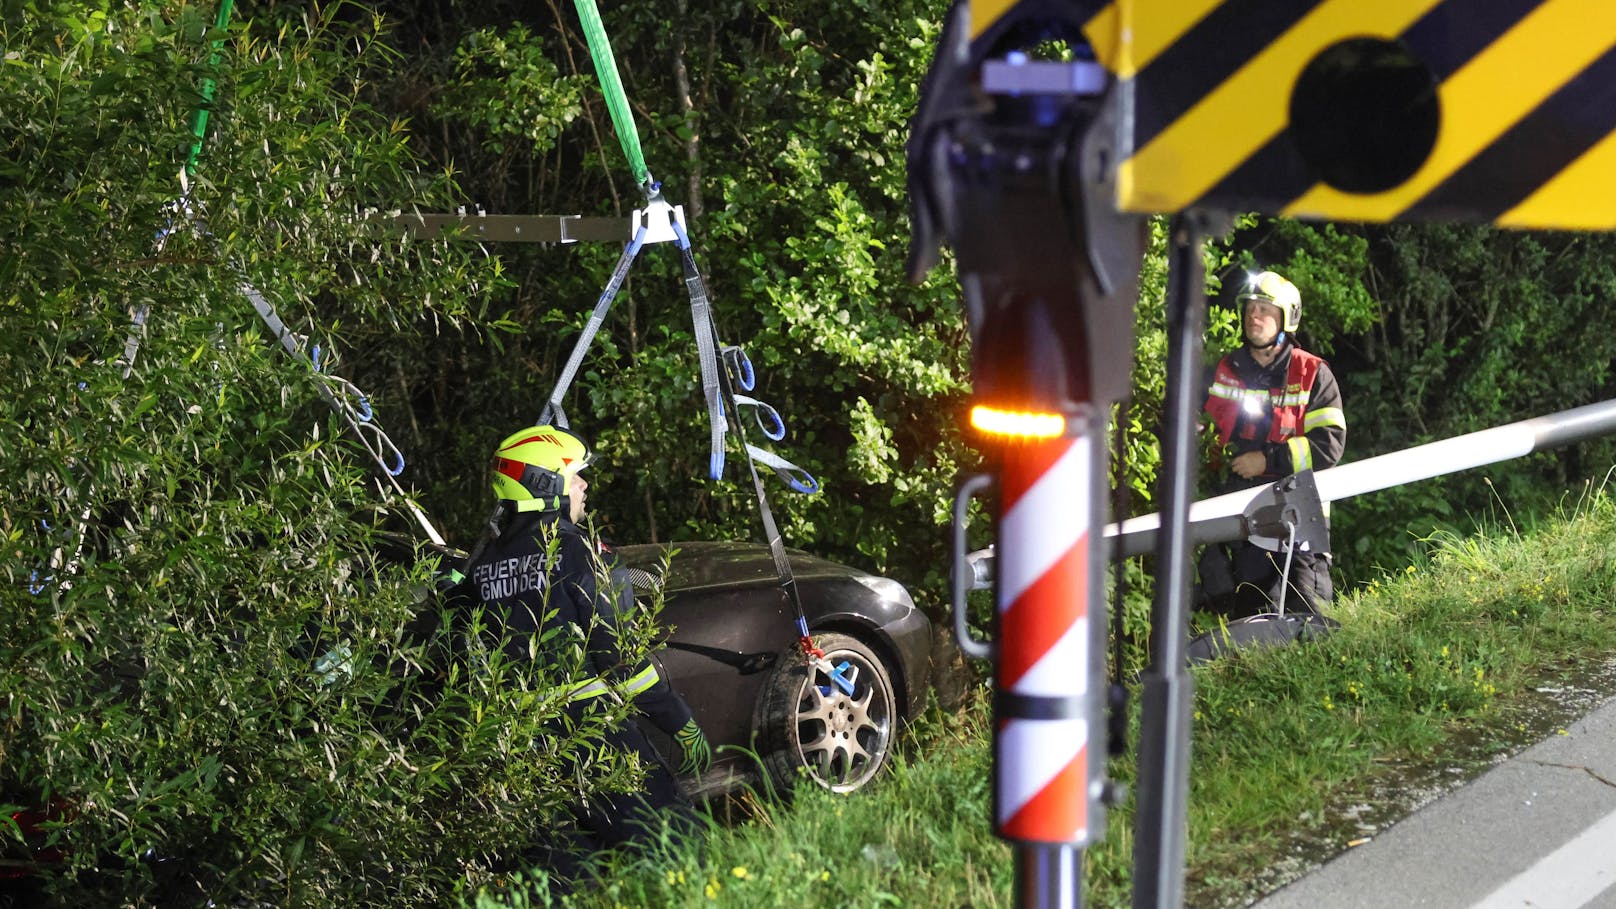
x=1290, y=410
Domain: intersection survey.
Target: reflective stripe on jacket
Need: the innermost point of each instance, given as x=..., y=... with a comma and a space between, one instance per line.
x=636, y=685
x=1290, y=410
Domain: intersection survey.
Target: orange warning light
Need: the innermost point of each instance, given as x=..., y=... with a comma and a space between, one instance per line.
x=1018, y=423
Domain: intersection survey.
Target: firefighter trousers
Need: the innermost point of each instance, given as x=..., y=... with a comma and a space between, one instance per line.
x=1242, y=579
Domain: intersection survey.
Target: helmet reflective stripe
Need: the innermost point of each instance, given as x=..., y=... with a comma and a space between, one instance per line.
x=534, y=467
x=1270, y=287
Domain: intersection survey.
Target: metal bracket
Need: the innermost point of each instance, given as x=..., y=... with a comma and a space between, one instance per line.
x=1289, y=504
x=657, y=218
x=968, y=568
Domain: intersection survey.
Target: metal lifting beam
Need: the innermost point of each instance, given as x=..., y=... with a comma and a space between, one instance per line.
x=483, y=227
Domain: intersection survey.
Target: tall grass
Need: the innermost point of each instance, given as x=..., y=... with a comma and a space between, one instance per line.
x=1289, y=745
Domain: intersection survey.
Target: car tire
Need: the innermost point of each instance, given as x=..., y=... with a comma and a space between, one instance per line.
x=808, y=727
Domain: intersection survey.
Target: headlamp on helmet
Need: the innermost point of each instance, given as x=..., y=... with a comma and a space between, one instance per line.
x=1270, y=287
x=535, y=466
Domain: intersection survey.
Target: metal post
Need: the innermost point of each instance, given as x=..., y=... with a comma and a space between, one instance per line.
x=1049, y=876
x=1013, y=162
x=1164, y=745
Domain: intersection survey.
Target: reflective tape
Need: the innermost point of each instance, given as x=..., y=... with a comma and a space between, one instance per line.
x=1260, y=397
x=588, y=690
x=642, y=681
x=1324, y=416
x=1301, y=454
x=1232, y=392
x=639, y=683
x=1040, y=755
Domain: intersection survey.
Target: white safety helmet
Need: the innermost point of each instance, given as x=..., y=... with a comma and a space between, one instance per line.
x=1270, y=287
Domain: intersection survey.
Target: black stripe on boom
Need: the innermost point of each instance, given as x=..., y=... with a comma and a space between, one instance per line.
x=1445, y=39
x=1452, y=34
x=1273, y=177
x=1201, y=59
x=1532, y=152
x=1032, y=707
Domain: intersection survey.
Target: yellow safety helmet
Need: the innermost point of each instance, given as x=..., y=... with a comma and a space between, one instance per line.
x=1270, y=287
x=534, y=467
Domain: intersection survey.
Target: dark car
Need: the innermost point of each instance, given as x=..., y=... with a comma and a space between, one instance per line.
x=732, y=651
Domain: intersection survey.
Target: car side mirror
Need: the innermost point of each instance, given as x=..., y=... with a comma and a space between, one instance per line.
x=981, y=564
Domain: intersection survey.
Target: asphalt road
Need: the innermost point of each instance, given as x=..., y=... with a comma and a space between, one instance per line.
x=1538, y=830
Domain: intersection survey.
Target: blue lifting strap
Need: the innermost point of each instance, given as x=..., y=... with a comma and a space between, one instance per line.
x=701, y=316
x=346, y=400
x=552, y=409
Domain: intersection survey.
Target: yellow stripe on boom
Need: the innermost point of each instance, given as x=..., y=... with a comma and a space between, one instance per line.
x=1152, y=27
x=1585, y=190
x=986, y=12
x=1248, y=109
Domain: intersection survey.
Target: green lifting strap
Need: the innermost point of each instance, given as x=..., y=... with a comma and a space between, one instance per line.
x=612, y=87
x=344, y=398
x=60, y=563
x=199, y=126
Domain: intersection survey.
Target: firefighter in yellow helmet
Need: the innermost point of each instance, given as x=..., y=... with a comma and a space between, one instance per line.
x=1277, y=409
x=542, y=573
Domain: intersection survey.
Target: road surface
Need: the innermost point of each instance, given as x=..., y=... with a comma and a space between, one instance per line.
x=1538, y=831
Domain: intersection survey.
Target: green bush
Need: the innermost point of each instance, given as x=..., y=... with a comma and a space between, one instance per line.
x=219, y=684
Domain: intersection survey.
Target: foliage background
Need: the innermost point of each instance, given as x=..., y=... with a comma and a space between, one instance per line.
x=165, y=694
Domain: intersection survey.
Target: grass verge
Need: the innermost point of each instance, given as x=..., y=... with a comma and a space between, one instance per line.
x=1435, y=668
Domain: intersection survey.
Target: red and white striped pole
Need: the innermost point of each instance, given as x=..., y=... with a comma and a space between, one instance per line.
x=1044, y=709
x=1043, y=641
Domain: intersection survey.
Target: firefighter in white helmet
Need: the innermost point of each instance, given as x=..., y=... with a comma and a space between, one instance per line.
x=1277, y=409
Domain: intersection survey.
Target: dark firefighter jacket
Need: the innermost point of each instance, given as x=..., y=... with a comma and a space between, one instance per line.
x=515, y=580
x=1290, y=410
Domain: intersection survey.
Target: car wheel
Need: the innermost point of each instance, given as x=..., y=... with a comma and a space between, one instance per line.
x=808, y=725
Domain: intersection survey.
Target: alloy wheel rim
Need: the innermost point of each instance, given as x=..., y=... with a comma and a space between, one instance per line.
x=843, y=738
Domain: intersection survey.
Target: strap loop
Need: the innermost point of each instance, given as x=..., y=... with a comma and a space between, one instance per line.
x=740, y=368
x=798, y=479
x=776, y=430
